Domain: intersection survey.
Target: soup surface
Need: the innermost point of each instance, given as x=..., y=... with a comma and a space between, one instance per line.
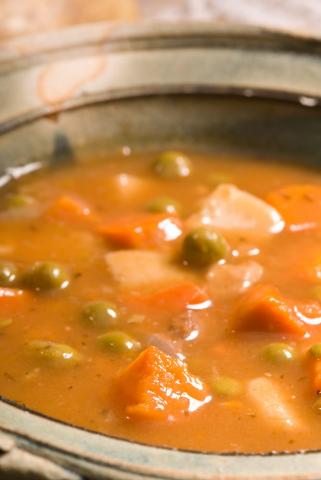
x=169, y=299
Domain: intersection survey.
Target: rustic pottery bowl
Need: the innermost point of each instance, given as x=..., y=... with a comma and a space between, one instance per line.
x=145, y=87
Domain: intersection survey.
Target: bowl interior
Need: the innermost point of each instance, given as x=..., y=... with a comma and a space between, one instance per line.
x=223, y=125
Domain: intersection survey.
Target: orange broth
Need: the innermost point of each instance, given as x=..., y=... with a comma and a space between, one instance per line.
x=85, y=394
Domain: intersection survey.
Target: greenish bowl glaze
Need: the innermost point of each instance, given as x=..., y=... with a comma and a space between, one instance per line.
x=102, y=87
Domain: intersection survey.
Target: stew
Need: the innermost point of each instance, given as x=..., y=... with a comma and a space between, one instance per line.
x=170, y=299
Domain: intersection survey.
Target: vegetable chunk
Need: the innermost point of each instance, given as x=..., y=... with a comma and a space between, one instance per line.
x=13, y=299
x=316, y=375
x=269, y=401
x=300, y=206
x=263, y=308
x=229, y=280
x=175, y=298
x=141, y=268
x=71, y=210
x=143, y=231
x=234, y=211
x=157, y=386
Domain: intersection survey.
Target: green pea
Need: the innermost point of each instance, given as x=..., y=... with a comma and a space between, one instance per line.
x=172, y=165
x=46, y=276
x=54, y=354
x=18, y=200
x=317, y=406
x=5, y=322
x=202, y=247
x=163, y=205
x=315, y=350
x=8, y=274
x=278, y=353
x=100, y=314
x=118, y=342
x=226, y=387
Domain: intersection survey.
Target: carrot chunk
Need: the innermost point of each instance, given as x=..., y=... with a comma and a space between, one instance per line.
x=12, y=299
x=263, y=308
x=72, y=210
x=299, y=205
x=157, y=386
x=316, y=375
x=143, y=231
x=174, y=298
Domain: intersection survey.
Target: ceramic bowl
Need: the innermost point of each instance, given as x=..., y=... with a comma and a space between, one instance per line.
x=145, y=87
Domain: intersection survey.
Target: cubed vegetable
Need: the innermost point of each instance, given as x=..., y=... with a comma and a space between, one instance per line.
x=270, y=403
x=157, y=386
x=13, y=300
x=233, y=211
x=69, y=209
x=299, y=205
x=173, y=299
x=231, y=280
x=141, y=231
x=263, y=308
x=141, y=268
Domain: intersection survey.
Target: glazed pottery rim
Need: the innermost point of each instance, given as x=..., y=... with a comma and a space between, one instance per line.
x=22, y=51
x=12, y=56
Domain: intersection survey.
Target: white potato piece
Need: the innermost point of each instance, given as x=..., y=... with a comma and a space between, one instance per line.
x=141, y=268
x=269, y=401
x=226, y=279
x=231, y=210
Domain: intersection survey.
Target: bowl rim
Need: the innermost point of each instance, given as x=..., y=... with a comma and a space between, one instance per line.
x=84, y=34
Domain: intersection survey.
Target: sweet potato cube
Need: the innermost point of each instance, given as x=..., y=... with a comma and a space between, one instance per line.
x=12, y=300
x=263, y=308
x=71, y=210
x=299, y=205
x=141, y=231
x=157, y=386
x=174, y=298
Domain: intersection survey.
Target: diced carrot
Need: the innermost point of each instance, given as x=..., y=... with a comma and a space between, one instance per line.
x=299, y=205
x=141, y=231
x=12, y=299
x=157, y=386
x=72, y=210
x=316, y=374
x=174, y=298
x=263, y=308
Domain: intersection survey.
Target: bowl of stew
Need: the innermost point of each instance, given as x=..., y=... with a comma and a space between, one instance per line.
x=160, y=259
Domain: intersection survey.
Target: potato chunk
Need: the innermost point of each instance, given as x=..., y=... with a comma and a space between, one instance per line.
x=141, y=268
x=229, y=280
x=269, y=401
x=234, y=211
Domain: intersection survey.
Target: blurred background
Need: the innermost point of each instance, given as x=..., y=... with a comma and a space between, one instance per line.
x=18, y=17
